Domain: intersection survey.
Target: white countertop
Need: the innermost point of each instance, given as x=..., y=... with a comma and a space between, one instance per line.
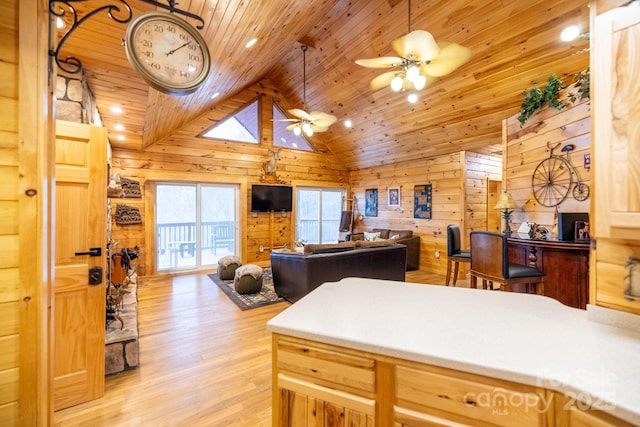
x=524, y=338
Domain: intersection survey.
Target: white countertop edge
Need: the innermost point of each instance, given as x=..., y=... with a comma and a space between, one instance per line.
x=562, y=385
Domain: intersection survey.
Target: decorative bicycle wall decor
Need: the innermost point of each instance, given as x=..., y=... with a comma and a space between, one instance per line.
x=553, y=179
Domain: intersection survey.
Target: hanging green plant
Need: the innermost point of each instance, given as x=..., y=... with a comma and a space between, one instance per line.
x=583, y=86
x=537, y=98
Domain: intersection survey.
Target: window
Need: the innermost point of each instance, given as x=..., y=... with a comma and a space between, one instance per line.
x=195, y=224
x=318, y=214
x=285, y=138
x=243, y=126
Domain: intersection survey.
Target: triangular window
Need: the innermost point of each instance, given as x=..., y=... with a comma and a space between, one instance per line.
x=243, y=126
x=285, y=138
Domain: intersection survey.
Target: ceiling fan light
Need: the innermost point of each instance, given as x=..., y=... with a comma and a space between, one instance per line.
x=306, y=127
x=412, y=73
x=420, y=82
x=397, y=83
x=412, y=98
x=297, y=131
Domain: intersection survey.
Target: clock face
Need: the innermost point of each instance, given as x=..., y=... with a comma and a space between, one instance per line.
x=168, y=52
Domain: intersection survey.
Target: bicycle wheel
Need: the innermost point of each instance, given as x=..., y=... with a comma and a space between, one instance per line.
x=551, y=181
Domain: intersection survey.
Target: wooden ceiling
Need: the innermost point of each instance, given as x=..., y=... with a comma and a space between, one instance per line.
x=515, y=44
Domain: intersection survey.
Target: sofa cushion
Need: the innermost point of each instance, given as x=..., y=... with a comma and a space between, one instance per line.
x=384, y=232
x=370, y=237
x=373, y=244
x=328, y=247
x=400, y=234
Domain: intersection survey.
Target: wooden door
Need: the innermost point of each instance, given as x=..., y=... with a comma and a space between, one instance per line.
x=494, y=218
x=80, y=224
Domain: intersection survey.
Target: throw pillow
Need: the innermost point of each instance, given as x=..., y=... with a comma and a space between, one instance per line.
x=395, y=236
x=370, y=237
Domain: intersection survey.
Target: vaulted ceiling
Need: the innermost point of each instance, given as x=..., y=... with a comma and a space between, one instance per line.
x=515, y=44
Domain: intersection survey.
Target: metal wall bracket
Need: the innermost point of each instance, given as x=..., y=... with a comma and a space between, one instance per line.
x=119, y=12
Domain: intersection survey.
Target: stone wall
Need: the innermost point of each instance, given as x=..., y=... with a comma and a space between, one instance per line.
x=74, y=100
x=121, y=338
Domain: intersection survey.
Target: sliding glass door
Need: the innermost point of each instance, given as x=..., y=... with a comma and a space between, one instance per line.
x=196, y=224
x=318, y=213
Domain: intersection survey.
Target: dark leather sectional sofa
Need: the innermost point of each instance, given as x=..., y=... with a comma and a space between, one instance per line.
x=297, y=274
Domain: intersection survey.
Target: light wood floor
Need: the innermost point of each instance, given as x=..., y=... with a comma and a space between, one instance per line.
x=203, y=362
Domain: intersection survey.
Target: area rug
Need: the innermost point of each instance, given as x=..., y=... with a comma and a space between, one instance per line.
x=266, y=296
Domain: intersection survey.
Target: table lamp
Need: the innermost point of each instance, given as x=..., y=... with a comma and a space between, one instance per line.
x=507, y=204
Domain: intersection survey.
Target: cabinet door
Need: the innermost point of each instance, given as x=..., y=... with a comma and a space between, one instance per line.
x=303, y=403
x=616, y=124
x=430, y=396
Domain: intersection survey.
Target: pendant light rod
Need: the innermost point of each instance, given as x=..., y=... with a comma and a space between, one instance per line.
x=304, y=76
x=409, y=13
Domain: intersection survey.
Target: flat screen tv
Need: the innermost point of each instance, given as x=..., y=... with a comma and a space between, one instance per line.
x=271, y=198
x=567, y=222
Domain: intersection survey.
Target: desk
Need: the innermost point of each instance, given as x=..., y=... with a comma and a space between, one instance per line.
x=565, y=264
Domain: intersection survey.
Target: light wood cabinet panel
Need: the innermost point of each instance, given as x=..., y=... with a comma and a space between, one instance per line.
x=572, y=413
x=617, y=123
x=407, y=394
x=467, y=399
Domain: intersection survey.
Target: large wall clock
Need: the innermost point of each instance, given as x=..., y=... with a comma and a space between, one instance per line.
x=168, y=52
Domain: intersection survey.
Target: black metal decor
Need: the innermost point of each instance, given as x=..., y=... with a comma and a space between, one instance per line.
x=119, y=12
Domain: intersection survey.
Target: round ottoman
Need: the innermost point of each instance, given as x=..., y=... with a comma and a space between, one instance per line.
x=227, y=266
x=248, y=279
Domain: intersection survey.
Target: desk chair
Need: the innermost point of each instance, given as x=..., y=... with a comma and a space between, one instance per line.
x=454, y=253
x=490, y=262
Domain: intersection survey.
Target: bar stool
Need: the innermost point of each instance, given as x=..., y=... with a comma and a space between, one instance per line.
x=454, y=253
x=490, y=262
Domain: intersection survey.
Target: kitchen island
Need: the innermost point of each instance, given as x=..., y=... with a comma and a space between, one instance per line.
x=375, y=352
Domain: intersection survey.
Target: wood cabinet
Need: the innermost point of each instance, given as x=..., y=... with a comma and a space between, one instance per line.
x=322, y=384
x=617, y=123
x=565, y=264
x=571, y=412
x=316, y=384
x=428, y=395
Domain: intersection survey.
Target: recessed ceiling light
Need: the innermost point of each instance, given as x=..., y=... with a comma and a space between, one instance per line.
x=116, y=109
x=412, y=98
x=251, y=43
x=118, y=126
x=570, y=33
x=215, y=95
x=348, y=123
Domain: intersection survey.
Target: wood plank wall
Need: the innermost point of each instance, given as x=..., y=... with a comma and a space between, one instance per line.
x=25, y=214
x=184, y=158
x=526, y=146
x=9, y=218
x=458, y=197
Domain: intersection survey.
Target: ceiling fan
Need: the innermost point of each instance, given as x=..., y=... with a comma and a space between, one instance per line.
x=421, y=61
x=315, y=121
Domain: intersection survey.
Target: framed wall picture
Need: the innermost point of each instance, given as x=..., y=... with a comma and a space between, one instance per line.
x=581, y=230
x=371, y=202
x=394, y=197
x=422, y=201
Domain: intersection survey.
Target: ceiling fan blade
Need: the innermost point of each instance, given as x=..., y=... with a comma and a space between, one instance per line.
x=383, y=80
x=287, y=120
x=451, y=57
x=301, y=114
x=323, y=119
x=381, y=62
x=419, y=43
x=291, y=126
x=318, y=129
